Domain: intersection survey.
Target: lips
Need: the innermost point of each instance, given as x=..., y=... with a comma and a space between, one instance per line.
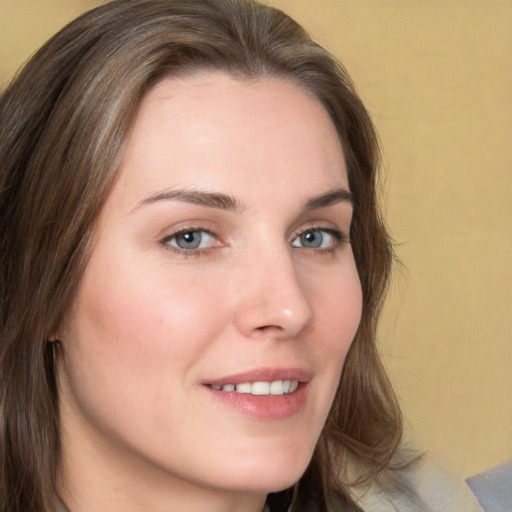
x=265, y=393
x=263, y=375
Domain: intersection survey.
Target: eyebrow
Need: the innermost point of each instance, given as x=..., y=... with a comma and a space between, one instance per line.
x=230, y=203
x=208, y=199
x=330, y=198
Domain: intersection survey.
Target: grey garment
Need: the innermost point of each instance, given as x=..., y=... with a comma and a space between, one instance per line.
x=423, y=487
x=493, y=488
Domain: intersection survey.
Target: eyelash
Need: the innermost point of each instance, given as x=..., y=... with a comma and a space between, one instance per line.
x=187, y=253
x=339, y=238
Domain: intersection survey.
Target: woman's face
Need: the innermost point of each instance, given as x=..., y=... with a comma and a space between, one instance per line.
x=205, y=343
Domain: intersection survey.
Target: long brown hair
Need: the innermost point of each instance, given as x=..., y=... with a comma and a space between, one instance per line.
x=63, y=122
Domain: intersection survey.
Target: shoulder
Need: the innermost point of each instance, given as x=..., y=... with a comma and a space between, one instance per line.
x=493, y=488
x=421, y=487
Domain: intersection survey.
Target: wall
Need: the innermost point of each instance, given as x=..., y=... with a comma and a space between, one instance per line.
x=437, y=77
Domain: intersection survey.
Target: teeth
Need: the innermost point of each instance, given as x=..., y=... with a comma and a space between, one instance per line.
x=243, y=388
x=276, y=387
x=260, y=388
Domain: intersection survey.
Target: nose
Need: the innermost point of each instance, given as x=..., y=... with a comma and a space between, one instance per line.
x=272, y=300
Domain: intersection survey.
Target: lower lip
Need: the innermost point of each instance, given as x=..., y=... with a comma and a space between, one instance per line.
x=264, y=407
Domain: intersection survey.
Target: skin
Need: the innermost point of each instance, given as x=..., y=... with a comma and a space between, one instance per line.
x=152, y=322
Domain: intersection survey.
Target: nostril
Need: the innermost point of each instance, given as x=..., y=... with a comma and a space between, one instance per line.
x=269, y=328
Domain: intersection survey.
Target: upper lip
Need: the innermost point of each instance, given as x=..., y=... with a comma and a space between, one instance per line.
x=263, y=375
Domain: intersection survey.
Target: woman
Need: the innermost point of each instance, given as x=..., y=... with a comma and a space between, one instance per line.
x=193, y=263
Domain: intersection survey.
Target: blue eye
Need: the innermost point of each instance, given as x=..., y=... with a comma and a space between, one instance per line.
x=317, y=239
x=190, y=239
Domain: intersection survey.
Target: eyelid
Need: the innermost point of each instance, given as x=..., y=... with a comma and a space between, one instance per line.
x=198, y=228
x=338, y=241
x=340, y=234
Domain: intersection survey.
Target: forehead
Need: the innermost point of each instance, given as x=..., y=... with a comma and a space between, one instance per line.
x=212, y=129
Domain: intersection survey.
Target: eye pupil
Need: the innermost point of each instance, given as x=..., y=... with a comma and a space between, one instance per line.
x=312, y=239
x=188, y=240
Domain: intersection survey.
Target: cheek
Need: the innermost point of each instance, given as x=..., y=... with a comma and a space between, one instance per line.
x=143, y=315
x=130, y=341
x=344, y=315
x=338, y=308
x=132, y=337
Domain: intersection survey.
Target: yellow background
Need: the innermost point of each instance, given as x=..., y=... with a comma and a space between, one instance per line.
x=437, y=77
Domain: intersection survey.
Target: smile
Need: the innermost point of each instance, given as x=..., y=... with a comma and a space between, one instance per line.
x=263, y=393
x=276, y=387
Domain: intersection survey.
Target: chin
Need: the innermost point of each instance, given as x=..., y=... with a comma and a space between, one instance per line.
x=272, y=473
x=264, y=483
